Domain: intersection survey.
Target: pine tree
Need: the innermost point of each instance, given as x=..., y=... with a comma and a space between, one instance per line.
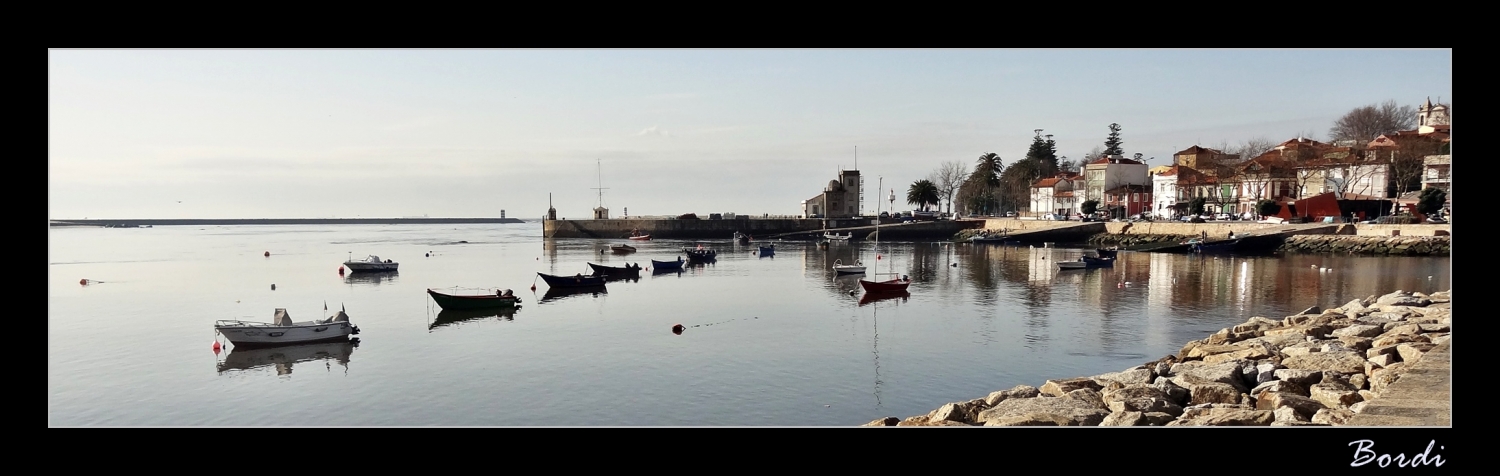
x=1113, y=143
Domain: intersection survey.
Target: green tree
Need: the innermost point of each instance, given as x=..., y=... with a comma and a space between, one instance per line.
x=1044, y=152
x=921, y=193
x=1195, y=206
x=1089, y=207
x=1112, y=145
x=981, y=191
x=1267, y=208
x=1016, y=181
x=1431, y=200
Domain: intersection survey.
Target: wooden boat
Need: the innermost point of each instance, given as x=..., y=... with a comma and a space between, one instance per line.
x=636, y=235
x=741, y=238
x=857, y=268
x=1107, y=252
x=283, y=331
x=1097, y=262
x=613, y=272
x=622, y=249
x=371, y=264
x=890, y=286
x=667, y=265
x=768, y=250
x=989, y=239
x=700, y=254
x=1215, y=247
x=500, y=298
x=576, y=281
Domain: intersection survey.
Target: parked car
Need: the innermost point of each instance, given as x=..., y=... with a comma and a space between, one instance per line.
x=1010, y=214
x=1221, y=216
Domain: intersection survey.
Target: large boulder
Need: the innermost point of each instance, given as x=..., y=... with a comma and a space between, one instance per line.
x=1338, y=361
x=1058, y=388
x=887, y=421
x=1334, y=395
x=1077, y=410
x=1019, y=391
x=1229, y=373
x=1304, y=406
x=1412, y=352
x=1213, y=392
x=1358, y=330
x=1138, y=375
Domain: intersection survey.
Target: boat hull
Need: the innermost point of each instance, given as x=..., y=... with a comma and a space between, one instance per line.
x=257, y=334
x=641, y=238
x=666, y=265
x=572, y=281
x=478, y=301
x=362, y=267
x=613, y=272
x=622, y=249
x=884, y=287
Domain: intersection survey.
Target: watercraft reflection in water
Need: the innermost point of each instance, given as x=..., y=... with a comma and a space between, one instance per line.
x=282, y=358
x=372, y=278
x=455, y=317
x=871, y=298
x=555, y=294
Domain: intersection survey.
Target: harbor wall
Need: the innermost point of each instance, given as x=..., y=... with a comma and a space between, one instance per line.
x=616, y=228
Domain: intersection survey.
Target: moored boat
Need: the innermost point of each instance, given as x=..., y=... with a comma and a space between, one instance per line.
x=575, y=281
x=857, y=268
x=371, y=263
x=889, y=286
x=838, y=237
x=667, y=265
x=768, y=250
x=612, y=272
x=636, y=235
x=622, y=249
x=500, y=298
x=283, y=331
x=700, y=254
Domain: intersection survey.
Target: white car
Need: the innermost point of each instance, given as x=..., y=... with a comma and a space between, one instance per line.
x=1221, y=216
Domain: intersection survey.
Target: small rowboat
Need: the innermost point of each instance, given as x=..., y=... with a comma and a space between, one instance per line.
x=700, y=254
x=883, y=287
x=768, y=250
x=622, y=249
x=857, y=268
x=613, y=272
x=667, y=265
x=636, y=235
x=576, y=281
x=501, y=298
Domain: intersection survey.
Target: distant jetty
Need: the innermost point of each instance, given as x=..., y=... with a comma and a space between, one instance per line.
x=134, y=223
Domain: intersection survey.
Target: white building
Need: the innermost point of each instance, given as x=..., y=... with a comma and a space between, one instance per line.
x=1164, y=193
x=1109, y=173
x=1055, y=195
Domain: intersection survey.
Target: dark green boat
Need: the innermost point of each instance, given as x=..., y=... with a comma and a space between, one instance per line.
x=503, y=298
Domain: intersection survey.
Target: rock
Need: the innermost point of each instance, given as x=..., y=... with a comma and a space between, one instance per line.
x=1358, y=380
x=1332, y=416
x=1124, y=419
x=919, y=420
x=1278, y=386
x=959, y=412
x=1401, y=299
x=1019, y=391
x=1352, y=306
x=1058, y=388
x=1033, y=419
x=1334, y=395
x=1381, y=378
x=1357, y=344
x=1129, y=377
x=1157, y=418
x=1342, y=361
x=1382, y=350
x=1302, y=377
x=1413, y=352
x=1441, y=340
x=1080, y=411
x=1266, y=372
x=1175, y=393
x=887, y=421
x=1384, y=360
x=1392, y=339
x=1358, y=330
x=1225, y=372
x=1304, y=406
x=1089, y=396
x=1431, y=328
x=1301, y=349
x=1358, y=406
x=1213, y=392
x=1239, y=418
x=1256, y=324
x=1287, y=414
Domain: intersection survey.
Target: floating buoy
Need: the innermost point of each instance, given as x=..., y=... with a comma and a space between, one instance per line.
x=341, y=270
x=429, y=255
x=533, y=287
x=955, y=265
x=216, y=347
x=273, y=287
x=877, y=257
x=677, y=329
x=268, y=254
x=85, y=281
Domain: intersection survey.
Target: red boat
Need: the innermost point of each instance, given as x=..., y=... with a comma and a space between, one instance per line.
x=891, y=286
x=636, y=235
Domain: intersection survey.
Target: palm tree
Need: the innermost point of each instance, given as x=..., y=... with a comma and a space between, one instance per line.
x=922, y=193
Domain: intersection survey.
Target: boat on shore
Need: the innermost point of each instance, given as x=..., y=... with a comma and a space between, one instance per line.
x=575, y=281
x=283, y=331
x=370, y=264
x=499, y=298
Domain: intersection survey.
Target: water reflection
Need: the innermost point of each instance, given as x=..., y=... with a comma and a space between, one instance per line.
x=872, y=298
x=282, y=358
x=556, y=294
x=372, y=278
x=453, y=317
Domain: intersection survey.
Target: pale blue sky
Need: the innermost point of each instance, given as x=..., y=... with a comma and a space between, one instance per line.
x=466, y=133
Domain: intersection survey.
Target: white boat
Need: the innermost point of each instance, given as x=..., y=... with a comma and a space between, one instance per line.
x=857, y=268
x=282, y=330
x=371, y=263
x=1072, y=264
x=838, y=237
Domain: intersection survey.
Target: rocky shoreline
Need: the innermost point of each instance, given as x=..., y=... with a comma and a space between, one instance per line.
x=1316, y=368
x=1369, y=245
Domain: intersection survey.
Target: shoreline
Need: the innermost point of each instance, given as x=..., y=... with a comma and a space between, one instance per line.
x=1317, y=368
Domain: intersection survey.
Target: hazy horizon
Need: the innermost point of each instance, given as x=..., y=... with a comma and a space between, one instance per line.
x=237, y=134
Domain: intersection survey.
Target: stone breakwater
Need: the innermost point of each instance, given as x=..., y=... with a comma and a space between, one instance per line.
x=1317, y=368
x=1369, y=245
x=1118, y=239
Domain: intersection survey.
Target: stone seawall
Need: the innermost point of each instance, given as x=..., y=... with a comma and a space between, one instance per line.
x=1369, y=245
x=1317, y=368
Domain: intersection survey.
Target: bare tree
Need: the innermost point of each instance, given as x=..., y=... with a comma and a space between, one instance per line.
x=1252, y=148
x=1094, y=154
x=948, y=176
x=1366, y=123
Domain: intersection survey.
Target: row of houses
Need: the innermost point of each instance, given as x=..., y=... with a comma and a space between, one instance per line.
x=1293, y=170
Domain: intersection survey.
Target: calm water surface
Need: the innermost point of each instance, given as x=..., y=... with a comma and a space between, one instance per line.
x=770, y=341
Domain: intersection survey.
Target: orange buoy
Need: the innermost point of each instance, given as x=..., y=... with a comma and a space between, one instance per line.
x=677, y=329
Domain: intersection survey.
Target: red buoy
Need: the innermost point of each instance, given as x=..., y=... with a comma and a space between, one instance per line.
x=341, y=270
x=216, y=347
x=84, y=281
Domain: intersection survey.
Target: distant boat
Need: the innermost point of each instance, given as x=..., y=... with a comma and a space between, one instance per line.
x=371, y=264
x=500, y=298
x=768, y=250
x=623, y=249
x=884, y=287
x=857, y=268
x=577, y=281
x=741, y=238
x=838, y=237
x=613, y=272
x=636, y=235
x=700, y=254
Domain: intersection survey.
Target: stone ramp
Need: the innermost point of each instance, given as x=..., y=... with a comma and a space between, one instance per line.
x=1423, y=396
